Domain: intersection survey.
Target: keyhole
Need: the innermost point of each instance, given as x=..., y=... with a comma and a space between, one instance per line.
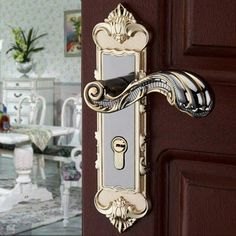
x=119, y=146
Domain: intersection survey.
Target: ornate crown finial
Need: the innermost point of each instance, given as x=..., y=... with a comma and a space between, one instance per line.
x=119, y=214
x=119, y=19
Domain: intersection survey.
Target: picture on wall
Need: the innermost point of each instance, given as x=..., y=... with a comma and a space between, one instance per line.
x=72, y=33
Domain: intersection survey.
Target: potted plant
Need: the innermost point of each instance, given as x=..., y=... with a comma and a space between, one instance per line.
x=23, y=48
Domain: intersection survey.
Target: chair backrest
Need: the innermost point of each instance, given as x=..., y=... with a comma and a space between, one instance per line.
x=76, y=156
x=37, y=109
x=71, y=115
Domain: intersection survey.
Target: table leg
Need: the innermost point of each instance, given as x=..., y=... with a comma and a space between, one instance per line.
x=23, y=162
x=24, y=190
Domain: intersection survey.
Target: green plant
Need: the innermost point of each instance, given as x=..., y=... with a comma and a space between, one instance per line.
x=25, y=44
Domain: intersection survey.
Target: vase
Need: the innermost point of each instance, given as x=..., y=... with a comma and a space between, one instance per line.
x=24, y=68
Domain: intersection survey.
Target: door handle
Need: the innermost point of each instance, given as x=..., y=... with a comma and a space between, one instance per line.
x=119, y=96
x=183, y=89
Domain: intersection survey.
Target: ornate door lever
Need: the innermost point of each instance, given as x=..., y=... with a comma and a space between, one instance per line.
x=121, y=82
x=182, y=89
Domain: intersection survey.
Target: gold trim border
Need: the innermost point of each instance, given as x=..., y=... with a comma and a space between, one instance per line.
x=119, y=34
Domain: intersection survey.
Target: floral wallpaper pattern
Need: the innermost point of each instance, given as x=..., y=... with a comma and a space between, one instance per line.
x=48, y=17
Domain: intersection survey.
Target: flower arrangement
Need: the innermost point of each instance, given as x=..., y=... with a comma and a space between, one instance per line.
x=25, y=44
x=76, y=21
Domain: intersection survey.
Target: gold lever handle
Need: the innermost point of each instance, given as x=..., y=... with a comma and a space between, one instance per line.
x=183, y=89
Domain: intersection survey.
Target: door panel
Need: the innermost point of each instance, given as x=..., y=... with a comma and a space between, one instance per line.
x=208, y=36
x=214, y=133
x=192, y=190
x=202, y=191
x=204, y=36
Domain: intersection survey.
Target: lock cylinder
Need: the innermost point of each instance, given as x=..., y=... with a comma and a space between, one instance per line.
x=119, y=146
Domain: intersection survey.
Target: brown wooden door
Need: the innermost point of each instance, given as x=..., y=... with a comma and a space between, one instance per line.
x=192, y=182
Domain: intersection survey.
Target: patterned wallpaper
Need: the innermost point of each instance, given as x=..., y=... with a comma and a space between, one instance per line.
x=48, y=17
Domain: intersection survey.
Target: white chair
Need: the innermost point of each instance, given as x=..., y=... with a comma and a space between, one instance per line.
x=72, y=106
x=33, y=108
x=71, y=177
x=36, y=112
x=68, y=151
x=72, y=171
x=61, y=152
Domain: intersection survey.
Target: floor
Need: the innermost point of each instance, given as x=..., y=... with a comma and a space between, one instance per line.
x=74, y=228
x=75, y=224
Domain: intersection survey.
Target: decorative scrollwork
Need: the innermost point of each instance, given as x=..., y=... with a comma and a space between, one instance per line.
x=119, y=19
x=142, y=140
x=142, y=166
x=121, y=213
x=97, y=163
x=121, y=26
x=182, y=89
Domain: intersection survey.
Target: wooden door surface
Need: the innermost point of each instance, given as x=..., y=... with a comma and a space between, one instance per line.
x=192, y=179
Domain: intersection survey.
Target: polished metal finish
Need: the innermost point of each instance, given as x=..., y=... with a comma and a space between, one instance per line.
x=120, y=52
x=121, y=28
x=182, y=89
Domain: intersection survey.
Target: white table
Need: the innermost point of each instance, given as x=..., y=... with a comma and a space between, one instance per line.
x=24, y=189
